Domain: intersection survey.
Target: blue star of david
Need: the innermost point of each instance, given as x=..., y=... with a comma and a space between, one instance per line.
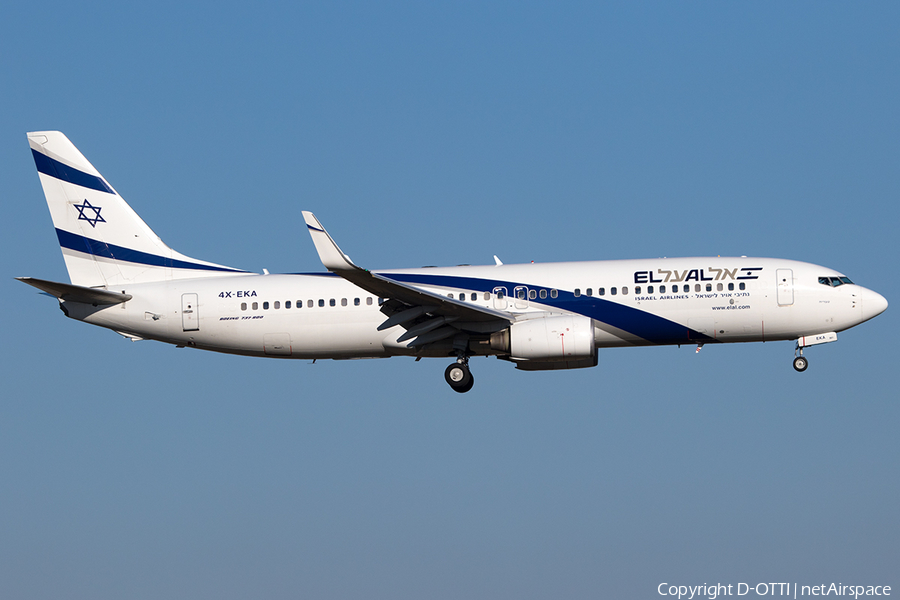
x=83, y=217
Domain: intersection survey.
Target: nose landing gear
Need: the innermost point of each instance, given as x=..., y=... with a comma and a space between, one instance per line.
x=800, y=361
x=458, y=375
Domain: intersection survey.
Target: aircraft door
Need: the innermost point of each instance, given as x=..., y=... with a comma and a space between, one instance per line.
x=500, y=301
x=277, y=344
x=190, y=316
x=785, y=284
x=521, y=296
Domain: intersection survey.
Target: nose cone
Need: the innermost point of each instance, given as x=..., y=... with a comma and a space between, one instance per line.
x=873, y=304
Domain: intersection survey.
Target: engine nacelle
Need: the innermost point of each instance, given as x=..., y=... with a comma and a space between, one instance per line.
x=564, y=342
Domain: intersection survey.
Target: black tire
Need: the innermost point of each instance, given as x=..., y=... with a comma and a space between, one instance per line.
x=468, y=386
x=800, y=364
x=459, y=377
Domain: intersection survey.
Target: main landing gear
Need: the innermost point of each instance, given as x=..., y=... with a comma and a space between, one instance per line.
x=458, y=375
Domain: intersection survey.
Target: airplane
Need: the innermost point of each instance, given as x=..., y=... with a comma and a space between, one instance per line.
x=536, y=316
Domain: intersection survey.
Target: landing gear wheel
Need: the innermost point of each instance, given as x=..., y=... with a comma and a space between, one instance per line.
x=459, y=377
x=468, y=387
x=800, y=364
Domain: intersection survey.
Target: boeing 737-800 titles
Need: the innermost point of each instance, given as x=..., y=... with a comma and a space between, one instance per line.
x=536, y=316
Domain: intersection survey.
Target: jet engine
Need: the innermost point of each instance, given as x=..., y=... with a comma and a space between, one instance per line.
x=563, y=342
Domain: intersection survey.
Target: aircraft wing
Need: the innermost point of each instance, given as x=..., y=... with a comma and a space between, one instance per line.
x=462, y=314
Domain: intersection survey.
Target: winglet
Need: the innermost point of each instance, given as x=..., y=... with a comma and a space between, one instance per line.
x=329, y=252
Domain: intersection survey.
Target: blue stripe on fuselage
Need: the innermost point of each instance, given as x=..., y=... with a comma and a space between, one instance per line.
x=637, y=322
x=54, y=168
x=87, y=245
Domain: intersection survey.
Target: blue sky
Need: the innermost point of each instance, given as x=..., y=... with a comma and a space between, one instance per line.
x=424, y=134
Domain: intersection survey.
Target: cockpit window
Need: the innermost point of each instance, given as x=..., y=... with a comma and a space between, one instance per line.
x=834, y=281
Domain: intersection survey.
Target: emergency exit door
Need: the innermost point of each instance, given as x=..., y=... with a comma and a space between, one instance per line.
x=190, y=317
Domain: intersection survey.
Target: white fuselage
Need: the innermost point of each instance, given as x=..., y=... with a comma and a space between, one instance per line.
x=630, y=302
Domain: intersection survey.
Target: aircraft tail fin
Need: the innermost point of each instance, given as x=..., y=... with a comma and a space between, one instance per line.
x=103, y=241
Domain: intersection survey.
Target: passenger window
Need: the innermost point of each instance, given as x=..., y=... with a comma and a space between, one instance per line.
x=532, y=294
x=543, y=294
x=343, y=302
x=718, y=287
x=554, y=293
x=624, y=290
x=649, y=289
x=589, y=292
x=601, y=291
x=708, y=287
x=612, y=291
x=462, y=297
x=331, y=302
x=637, y=289
x=255, y=306
x=356, y=302
x=309, y=304
x=243, y=306
x=277, y=304
x=287, y=304
x=742, y=285
x=730, y=287
x=487, y=295
x=265, y=306
x=577, y=292
x=321, y=303
x=450, y=295
x=369, y=301
x=662, y=289
x=697, y=287
x=473, y=297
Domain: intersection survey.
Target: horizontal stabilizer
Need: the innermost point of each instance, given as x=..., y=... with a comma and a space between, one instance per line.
x=77, y=293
